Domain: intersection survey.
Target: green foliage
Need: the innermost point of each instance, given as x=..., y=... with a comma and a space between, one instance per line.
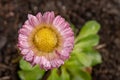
x=89, y=41
x=28, y=72
x=91, y=27
x=81, y=75
x=54, y=75
x=83, y=56
x=25, y=65
x=64, y=74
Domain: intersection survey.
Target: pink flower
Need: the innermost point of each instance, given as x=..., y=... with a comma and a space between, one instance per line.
x=46, y=40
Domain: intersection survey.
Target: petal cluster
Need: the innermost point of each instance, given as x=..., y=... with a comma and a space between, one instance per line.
x=64, y=34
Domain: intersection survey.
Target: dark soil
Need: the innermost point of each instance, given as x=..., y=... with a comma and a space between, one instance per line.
x=107, y=12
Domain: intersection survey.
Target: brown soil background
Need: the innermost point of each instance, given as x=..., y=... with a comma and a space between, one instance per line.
x=107, y=12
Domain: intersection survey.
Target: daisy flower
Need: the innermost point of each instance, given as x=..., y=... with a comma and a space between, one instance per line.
x=45, y=40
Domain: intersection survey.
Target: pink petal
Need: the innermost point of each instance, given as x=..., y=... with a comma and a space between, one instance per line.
x=56, y=63
x=39, y=17
x=28, y=27
x=69, y=43
x=27, y=23
x=68, y=35
x=22, y=39
x=29, y=56
x=33, y=20
x=69, y=40
x=23, y=44
x=24, y=31
x=63, y=26
x=64, y=54
x=24, y=51
x=48, y=17
x=44, y=63
x=22, y=36
x=58, y=21
x=67, y=32
x=36, y=60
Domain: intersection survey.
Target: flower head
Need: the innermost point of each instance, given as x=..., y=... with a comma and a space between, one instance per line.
x=46, y=40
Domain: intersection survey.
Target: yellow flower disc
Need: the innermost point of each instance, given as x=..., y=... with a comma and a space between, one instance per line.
x=45, y=39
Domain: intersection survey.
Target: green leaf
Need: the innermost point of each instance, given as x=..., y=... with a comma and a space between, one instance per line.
x=73, y=62
x=84, y=59
x=89, y=41
x=76, y=63
x=64, y=74
x=54, y=75
x=94, y=56
x=24, y=65
x=34, y=74
x=81, y=75
x=96, y=59
x=88, y=57
x=90, y=28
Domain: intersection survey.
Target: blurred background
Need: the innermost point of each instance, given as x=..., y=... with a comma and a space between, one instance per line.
x=13, y=13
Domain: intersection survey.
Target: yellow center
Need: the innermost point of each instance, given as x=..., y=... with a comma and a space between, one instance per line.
x=45, y=39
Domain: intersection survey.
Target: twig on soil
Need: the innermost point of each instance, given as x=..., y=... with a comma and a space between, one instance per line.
x=5, y=78
x=100, y=46
x=4, y=66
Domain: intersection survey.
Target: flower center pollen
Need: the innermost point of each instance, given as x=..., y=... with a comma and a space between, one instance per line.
x=45, y=39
